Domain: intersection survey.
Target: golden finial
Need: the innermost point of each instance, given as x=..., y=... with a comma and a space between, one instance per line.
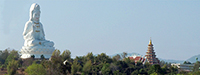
x=150, y=42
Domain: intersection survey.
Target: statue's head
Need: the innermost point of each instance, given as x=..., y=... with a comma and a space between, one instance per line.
x=35, y=12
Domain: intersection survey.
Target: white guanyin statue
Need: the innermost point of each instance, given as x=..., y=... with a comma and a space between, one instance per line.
x=35, y=42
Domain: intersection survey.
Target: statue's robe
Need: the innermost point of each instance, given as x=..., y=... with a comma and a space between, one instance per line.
x=34, y=35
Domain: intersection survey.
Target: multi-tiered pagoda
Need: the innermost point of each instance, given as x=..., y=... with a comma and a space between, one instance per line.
x=150, y=54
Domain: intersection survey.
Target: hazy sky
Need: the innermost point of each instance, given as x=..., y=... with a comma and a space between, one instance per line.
x=108, y=26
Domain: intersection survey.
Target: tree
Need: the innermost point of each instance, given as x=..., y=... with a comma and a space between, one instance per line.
x=9, y=58
x=66, y=55
x=27, y=62
x=196, y=66
x=12, y=67
x=76, y=67
x=33, y=56
x=66, y=67
x=50, y=69
x=155, y=68
x=113, y=67
x=147, y=65
x=194, y=73
x=15, y=54
x=122, y=65
x=90, y=57
x=12, y=56
x=117, y=57
x=173, y=70
x=106, y=70
x=56, y=58
x=117, y=73
x=103, y=58
x=135, y=72
x=187, y=62
x=4, y=56
x=56, y=63
x=154, y=73
x=35, y=69
x=87, y=67
x=164, y=69
x=124, y=55
x=56, y=53
x=42, y=57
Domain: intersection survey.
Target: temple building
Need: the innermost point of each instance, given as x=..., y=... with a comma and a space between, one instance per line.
x=150, y=54
x=138, y=58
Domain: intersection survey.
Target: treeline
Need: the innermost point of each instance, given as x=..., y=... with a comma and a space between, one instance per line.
x=63, y=64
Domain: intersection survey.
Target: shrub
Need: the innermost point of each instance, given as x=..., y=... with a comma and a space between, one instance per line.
x=36, y=69
x=12, y=67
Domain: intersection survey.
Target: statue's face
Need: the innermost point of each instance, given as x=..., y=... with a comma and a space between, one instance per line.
x=36, y=16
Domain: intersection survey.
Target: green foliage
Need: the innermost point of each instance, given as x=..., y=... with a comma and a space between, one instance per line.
x=116, y=72
x=89, y=64
x=56, y=58
x=66, y=55
x=87, y=67
x=35, y=69
x=46, y=64
x=96, y=68
x=12, y=56
x=90, y=57
x=15, y=54
x=56, y=53
x=122, y=66
x=27, y=62
x=50, y=70
x=103, y=58
x=113, y=67
x=173, y=70
x=76, y=67
x=154, y=73
x=33, y=56
x=156, y=69
x=20, y=62
x=4, y=55
x=187, y=62
x=9, y=58
x=135, y=72
x=57, y=65
x=117, y=57
x=147, y=65
x=12, y=67
x=128, y=60
x=106, y=70
x=196, y=66
x=124, y=55
x=194, y=73
x=66, y=67
x=164, y=69
x=42, y=57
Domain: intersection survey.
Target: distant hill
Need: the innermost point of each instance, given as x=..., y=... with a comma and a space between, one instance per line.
x=193, y=58
x=166, y=60
x=171, y=60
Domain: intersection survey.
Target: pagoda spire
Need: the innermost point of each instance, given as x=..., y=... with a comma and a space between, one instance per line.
x=150, y=42
x=150, y=54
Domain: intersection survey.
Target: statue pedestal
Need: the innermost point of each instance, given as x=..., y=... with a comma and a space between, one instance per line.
x=37, y=51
